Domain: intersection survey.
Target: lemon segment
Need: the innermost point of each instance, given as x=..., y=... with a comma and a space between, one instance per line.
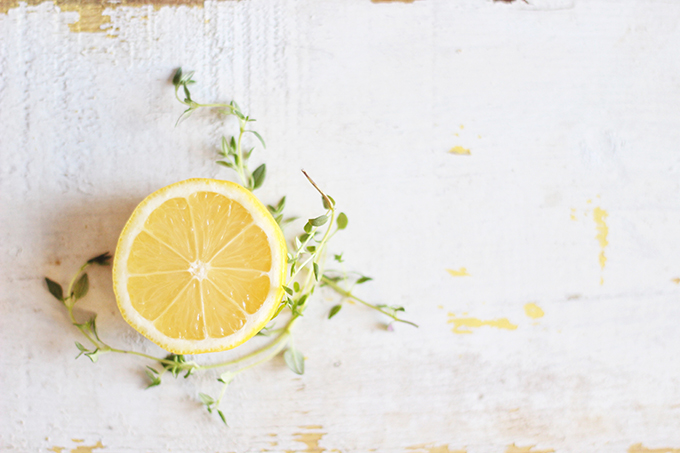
x=199, y=266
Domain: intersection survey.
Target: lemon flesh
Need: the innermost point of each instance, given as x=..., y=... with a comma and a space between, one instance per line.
x=199, y=266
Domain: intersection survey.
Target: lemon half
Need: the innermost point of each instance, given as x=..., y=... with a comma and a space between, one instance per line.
x=199, y=267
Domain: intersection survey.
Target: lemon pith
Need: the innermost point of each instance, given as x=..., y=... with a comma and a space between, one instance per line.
x=199, y=266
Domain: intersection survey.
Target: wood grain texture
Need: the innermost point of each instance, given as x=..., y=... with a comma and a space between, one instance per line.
x=568, y=110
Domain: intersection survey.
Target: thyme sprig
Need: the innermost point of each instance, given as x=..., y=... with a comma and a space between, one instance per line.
x=306, y=260
x=231, y=151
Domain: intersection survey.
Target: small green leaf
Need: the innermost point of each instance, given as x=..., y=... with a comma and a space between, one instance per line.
x=224, y=163
x=281, y=204
x=103, y=260
x=303, y=238
x=334, y=311
x=364, y=279
x=81, y=287
x=338, y=258
x=92, y=324
x=318, y=221
x=185, y=114
x=55, y=289
x=226, y=377
x=206, y=399
x=311, y=249
x=296, y=287
x=288, y=290
x=316, y=272
x=80, y=347
x=94, y=355
x=302, y=299
x=224, y=419
x=295, y=360
x=177, y=77
x=308, y=227
x=186, y=93
x=328, y=201
x=186, y=78
x=342, y=221
x=259, y=175
x=259, y=137
x=152, y=374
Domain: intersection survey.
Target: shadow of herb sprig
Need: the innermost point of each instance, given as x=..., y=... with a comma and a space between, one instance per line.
x=306, y=259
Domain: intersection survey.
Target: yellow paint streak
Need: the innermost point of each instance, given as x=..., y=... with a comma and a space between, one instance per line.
x=676, y=280
x=78, y=449
x=91, y=12
x=311, y=440
x=427, y=448
x=86, y=448
x=459, y=150
x=459, y=323
x=515, y=449
x=572, y=216
x=462, y=272
x=600, y=215
x=639, y=448
x=533, y=311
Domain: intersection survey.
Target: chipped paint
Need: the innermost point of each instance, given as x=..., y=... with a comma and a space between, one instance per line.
x=462, y=272
x=639, y=448
x=459, y=323
x=311, y=440
x=599, y=215
x=515, y=449
x=87, y=449
x=79, y=448
x=92, y=18
x=460, y=151
x=429, y=448
x=533, y=311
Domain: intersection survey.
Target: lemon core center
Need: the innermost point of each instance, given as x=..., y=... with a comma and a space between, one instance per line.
x=199, y=270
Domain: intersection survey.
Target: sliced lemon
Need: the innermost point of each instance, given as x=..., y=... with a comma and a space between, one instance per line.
x=199, y=266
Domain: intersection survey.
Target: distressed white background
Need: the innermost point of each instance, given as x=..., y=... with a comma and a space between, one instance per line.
x=565, y=106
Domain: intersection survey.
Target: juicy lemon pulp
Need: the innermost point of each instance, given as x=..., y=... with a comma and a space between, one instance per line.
x=199, y=266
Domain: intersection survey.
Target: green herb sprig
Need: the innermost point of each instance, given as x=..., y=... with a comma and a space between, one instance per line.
x=306, y=272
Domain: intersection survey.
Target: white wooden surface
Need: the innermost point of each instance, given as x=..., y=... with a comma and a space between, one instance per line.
x=568, y=107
